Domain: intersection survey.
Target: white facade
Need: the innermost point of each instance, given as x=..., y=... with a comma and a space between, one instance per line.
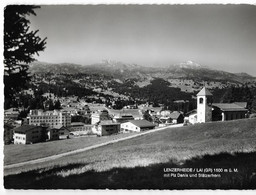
x=79, y=128
x=192, y=118
x=204, y=110
x=99, y=116
x=52, y=119
x=128, y=126
x=136, y=126
x=27, y=135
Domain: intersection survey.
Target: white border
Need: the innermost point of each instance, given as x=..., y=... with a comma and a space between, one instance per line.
x=142, y=192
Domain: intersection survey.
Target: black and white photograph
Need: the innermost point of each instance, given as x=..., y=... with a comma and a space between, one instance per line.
x=129, y=96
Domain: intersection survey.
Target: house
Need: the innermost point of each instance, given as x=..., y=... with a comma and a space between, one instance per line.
x=165, y=113
x=137, y=126
x=106, y=127
x=52, y=134
x=58, y=133
x=99, y=116
x=192, y=116
x=79, y=128
x=123, y=118
x=165, y=120
x=11, y=113
x=27, y=134
x=8, y=129
x=176, y=117
x=135, y=113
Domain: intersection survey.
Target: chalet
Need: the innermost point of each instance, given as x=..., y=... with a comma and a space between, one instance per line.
x=58, y=133
x=106, y=127
x=137, y=126
x=27, y=134
x=176, y=117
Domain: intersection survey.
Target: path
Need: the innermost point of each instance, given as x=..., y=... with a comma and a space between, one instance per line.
x=86, y=148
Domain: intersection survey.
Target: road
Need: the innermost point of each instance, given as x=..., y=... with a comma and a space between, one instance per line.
x=48, y=158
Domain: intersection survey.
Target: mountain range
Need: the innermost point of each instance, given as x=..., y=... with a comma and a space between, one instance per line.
x=118, y=70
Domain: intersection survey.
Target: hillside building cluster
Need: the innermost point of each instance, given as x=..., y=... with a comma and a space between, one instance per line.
x=43, y=125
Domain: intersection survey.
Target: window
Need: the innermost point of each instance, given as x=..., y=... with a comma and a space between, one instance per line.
x=201, y=100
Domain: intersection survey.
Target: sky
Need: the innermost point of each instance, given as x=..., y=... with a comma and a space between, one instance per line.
x=222, y=37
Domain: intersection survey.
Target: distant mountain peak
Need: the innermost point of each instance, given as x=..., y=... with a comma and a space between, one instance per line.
x=190, y=64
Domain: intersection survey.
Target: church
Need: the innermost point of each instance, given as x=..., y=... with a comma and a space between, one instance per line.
x=208, y=111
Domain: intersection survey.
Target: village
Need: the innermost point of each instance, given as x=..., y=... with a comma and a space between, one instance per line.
x=42, y=126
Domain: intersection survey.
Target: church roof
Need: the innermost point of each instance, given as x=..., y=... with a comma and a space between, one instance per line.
x=229, y=107
x=204, y=92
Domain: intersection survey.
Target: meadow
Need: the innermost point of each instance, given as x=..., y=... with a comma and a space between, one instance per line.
x=138, y=163
x=22, y=153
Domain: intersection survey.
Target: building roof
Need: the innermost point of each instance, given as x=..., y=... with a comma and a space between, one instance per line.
x=25, y=128
x=175, y=115
x=142, y=123
x=242, y=104
x=12, y=111
x=134, y=112
x=59, y=129
x=204, y=92
x=77, y=124
x=229, y=107
x=107, y=122
x=191, y=112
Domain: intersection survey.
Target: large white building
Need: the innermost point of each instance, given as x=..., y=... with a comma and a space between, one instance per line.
x=52, y=119
x=27, y=134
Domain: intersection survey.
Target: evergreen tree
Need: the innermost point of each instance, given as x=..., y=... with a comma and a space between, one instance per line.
x=57, y=105
x=20, y=44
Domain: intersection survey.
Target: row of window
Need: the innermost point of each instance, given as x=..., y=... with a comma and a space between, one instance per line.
x=17, y=137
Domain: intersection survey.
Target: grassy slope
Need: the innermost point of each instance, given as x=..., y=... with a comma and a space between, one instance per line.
x=176, y=144
x=21, y=153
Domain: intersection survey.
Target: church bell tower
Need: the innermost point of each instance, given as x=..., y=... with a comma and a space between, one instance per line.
x=204, y=109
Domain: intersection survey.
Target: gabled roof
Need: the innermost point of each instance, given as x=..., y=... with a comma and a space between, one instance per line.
x=229, y=107
x=191, y=112
x=142, y=123
x=242, y=104
x=77, y=124
x=59, y=129
x=25, y=128
x=175, y=115
x=204, y=92
x=107, y=122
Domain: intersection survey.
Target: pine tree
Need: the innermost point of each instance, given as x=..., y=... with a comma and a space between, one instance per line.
x=20, y=44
